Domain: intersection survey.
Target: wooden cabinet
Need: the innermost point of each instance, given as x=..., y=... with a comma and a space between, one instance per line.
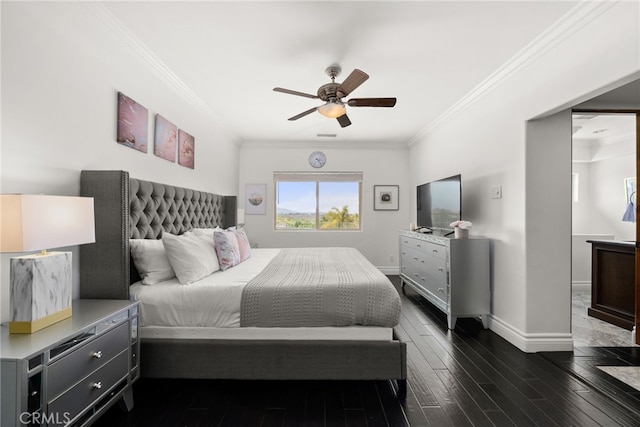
x=613, y=282
x=71, y=372
x=453, y=274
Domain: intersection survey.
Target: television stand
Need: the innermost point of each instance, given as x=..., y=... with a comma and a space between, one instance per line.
x=452, y=274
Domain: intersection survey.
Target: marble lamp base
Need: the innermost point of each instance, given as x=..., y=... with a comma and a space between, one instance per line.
x=41, y=289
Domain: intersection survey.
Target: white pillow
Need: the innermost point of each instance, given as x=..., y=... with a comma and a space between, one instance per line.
x=151, y=260
x=192, y=257
x=208, y=232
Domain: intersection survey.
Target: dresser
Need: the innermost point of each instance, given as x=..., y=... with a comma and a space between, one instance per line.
x=452, y=274
x=613, y=282
x=71, y=372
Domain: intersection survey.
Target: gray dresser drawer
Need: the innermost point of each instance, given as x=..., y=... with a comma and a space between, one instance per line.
x=424, y=246
x=435, y=267
x=91, y=388
x=434, y=250
x=63, y=373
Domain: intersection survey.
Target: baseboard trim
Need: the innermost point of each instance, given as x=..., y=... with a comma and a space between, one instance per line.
x=580, y=286
x=390, y=271
x=531, y=343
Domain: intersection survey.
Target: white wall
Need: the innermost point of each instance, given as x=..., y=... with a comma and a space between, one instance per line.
x=381, y=165
x=602, y=199
x=608, y=199
x=485, y=139
x=59, y=110
x=597, y=214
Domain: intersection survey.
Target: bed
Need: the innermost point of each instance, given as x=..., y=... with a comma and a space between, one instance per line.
x=127, y=208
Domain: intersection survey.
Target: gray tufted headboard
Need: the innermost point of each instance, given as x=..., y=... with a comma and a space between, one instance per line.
x=127, y=208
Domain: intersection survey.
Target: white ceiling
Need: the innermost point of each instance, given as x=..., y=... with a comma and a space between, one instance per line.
x=603, y=128
x=230, y=55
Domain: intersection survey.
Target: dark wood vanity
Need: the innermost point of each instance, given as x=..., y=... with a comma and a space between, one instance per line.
x=613, y=282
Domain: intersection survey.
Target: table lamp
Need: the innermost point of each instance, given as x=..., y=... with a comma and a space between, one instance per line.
x=41, y=284
x=240, y=217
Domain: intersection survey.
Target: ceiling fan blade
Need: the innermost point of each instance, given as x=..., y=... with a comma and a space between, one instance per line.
x=344, y=120
x=304, y=113
x=355, y=79
x=294, y=92
x=371, y=102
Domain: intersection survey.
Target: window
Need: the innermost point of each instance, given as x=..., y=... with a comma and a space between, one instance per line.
x=317, y=201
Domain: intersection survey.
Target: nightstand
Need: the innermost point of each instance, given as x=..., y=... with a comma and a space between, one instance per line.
x=71, y=372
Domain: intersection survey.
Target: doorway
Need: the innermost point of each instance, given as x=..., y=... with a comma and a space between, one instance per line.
x=604, y=161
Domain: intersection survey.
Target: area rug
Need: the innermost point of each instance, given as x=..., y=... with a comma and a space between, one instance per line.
x=627, y=374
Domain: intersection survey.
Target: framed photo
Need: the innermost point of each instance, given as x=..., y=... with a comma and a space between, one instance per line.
x=186, y=149
x=166, y=138
x=133, y=124
x=255, y=199
x=385, y=197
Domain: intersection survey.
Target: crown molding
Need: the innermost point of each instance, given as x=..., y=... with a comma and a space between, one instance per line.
x=120, y=33
x=563, y=28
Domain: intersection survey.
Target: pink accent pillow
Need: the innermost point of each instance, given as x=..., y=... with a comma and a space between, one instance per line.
x=226, y=248
x=243, y=243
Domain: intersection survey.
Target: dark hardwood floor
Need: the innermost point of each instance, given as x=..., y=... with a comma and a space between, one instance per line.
x=466, y=377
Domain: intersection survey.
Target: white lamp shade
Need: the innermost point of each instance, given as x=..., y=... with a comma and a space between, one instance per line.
x=37, y=222
x=332, y=109
x=240, y=216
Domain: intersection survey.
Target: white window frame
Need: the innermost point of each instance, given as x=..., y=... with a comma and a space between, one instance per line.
x=317, y=177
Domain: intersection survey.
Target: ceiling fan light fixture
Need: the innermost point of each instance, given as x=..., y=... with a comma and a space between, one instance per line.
x=332, y=109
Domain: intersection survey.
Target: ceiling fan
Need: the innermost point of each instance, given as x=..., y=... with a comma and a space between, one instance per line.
x=332, y=94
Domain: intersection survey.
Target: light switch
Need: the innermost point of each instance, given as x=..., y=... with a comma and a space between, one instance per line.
x=496, y=192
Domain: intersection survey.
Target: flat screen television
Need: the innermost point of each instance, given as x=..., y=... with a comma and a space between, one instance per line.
x=439, y=203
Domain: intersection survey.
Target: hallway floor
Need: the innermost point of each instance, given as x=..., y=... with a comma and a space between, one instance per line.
x=591, y=332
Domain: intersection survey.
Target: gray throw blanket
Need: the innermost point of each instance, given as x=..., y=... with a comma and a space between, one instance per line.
x=320, y=287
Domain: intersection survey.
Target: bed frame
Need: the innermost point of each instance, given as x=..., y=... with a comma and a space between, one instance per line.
x=130, y=208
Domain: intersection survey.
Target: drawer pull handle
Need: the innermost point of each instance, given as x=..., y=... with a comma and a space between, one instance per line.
x=441, y=269
x=34, y=393
x=415, y=257
x=97, y=355
x=97, y=385
x=419, y=245
x=434, y=250
x=441, y=290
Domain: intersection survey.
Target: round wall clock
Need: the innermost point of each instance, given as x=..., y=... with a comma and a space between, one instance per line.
x=317, y=159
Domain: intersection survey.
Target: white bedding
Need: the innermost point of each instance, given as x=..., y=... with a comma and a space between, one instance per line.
x=212, y=302
x=213, y=309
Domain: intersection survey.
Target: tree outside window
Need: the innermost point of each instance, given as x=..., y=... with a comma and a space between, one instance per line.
x=331, y=202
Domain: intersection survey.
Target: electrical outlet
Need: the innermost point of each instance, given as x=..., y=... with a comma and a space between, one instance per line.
x=496, y=192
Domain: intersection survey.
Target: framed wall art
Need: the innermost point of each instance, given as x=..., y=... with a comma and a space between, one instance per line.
x=133, y=124
x=255, y=199
x=385, y=197
x=166, y=138
x=186, y=149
